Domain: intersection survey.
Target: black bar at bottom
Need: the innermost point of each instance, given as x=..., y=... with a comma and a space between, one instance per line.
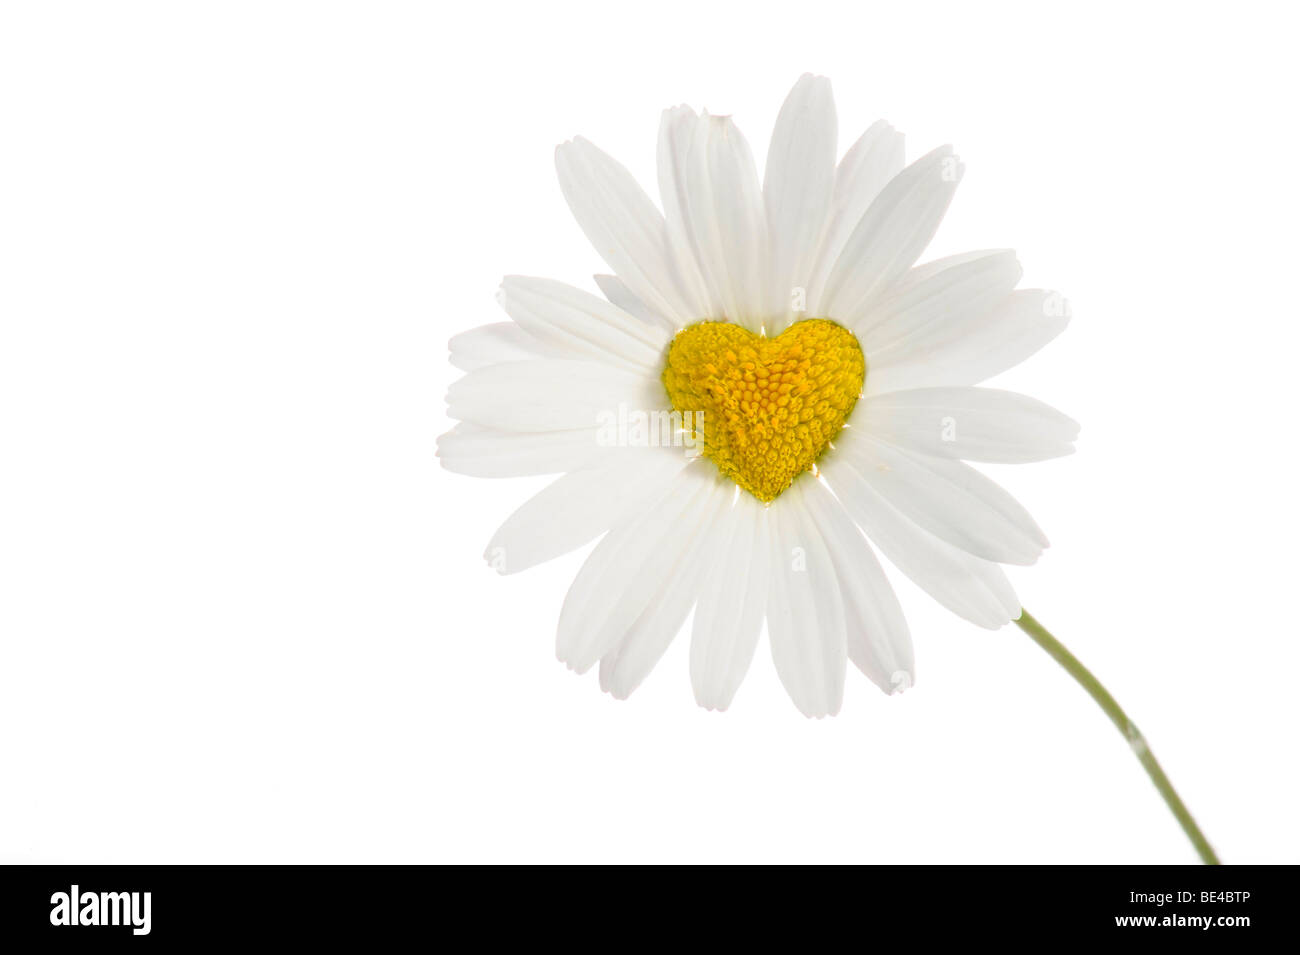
x=391, y=905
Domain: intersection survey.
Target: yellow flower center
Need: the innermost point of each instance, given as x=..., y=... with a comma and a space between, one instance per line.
x=769, y=406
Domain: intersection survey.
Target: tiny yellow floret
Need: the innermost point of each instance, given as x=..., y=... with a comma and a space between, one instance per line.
x=770, y=406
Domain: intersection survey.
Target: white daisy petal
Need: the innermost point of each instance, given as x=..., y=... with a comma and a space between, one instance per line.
x=729, y=616
x=629, y=568
x=970, y=587
x=586, y=326
x=798, y=180
x=715, y=213
x=870, y=163
x=616, y=290
x=892, y=234
x=549, y=394
x=678, y=131
x=879, y=642
x=495, y=343
x=976, y=424
x=483, y=452
x=976, y=349
x=805, y=611
x=580, y=506
x=933, y=302
x=623, y=668
x=626, y=229
x=951, y=500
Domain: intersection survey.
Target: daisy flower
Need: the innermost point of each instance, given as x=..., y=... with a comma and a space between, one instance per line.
x=769, y=383
x=770, y=386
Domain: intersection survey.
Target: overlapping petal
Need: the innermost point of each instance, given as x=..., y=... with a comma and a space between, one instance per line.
x=580, y=506
x=715, y=214
x=891, y=235
x=969, y=586
x=805, y=611
x=975, y=424
x=730, y=612
x=485, y=452
x=548, y=394
x=878, y=641
x=798, y=182
x=626, y=229
x=631, y=566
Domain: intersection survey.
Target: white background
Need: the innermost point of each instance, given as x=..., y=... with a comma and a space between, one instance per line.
x=243, y=615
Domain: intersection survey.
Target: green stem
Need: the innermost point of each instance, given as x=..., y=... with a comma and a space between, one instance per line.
x=1117, y=716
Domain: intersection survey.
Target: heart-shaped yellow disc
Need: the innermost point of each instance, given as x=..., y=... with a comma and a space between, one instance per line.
x=769, y=406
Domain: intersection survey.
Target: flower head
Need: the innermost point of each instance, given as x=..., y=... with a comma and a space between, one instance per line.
x=769, y=378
